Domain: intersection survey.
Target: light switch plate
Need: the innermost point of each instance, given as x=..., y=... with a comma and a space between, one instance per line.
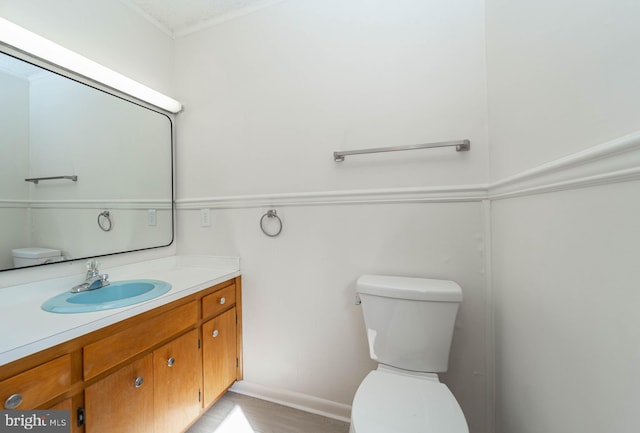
x=205, y=217
x=152, y=217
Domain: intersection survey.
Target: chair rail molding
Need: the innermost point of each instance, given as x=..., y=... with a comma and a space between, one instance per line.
x=455, y=193
x=615, y=161
x=142, y=204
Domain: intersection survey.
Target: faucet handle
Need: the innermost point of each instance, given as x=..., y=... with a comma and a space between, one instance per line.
x=92, y=266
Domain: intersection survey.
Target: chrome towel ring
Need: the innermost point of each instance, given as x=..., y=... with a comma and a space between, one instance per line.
x=104, y=221
x=271, y=213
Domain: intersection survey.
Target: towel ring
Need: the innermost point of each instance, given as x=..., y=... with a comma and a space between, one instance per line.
x=271, y=213
x=104, y=221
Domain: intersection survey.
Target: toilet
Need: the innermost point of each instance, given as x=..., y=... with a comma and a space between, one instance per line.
x=32, y=256
x=409, y=323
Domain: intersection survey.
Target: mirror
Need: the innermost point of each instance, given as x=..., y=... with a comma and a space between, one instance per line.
x=83, y=171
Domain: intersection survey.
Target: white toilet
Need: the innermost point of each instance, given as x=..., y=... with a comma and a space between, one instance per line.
x=409, y=325
x=34, y=256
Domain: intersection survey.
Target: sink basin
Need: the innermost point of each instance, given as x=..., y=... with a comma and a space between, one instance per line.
x=117, y=294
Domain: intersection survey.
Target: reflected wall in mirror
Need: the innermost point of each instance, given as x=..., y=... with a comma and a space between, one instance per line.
x=120, y=151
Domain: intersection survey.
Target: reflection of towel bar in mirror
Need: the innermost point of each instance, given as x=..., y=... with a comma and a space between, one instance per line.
x=461, y=146
x=35, y=180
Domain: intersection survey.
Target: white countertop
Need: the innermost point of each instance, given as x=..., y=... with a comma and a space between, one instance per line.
x=26, y=329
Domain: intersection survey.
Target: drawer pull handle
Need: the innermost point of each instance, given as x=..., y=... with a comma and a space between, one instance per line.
x=171, y=361
x=222, y=301
x=13, y=401
x=139, y=381
x=215, y=333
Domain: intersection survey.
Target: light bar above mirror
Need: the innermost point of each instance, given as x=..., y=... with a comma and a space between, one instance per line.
x=23, y=40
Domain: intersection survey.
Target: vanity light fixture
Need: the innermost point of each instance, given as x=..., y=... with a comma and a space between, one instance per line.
x=23, y=40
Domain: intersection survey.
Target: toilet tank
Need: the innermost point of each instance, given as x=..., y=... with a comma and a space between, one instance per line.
x=409, y=321
x=34, y=256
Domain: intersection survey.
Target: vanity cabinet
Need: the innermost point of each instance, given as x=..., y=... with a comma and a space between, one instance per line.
x=156, y=372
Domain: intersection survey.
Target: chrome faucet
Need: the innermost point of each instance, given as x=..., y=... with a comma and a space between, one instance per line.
x=94, y=279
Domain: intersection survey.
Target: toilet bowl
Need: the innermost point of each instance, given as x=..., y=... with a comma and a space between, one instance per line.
x=409, y=324
x=390, y=401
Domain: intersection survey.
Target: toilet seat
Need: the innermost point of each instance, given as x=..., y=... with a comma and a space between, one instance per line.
x=391, y=402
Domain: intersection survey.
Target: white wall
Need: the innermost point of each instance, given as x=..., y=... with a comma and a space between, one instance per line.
x=302, y=331
x=268, y=98
x=566, y=281
x=14, y=124
x=562, y=78
x=14, y=130
x=112, y=34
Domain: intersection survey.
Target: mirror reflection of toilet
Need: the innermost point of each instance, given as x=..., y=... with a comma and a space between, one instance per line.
x=409, y=324
x=34, y=256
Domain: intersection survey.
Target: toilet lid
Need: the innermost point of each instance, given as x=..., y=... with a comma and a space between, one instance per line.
x=394, y=403
x=34, y=253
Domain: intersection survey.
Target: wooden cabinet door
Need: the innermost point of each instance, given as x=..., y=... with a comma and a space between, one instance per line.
x=123, y=401
x=177, y=383
x=219, y=354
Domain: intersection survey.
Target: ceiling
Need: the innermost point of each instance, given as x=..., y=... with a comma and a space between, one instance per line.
x=181, y=17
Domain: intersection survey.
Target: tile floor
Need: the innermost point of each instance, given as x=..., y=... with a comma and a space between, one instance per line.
x=237, y=413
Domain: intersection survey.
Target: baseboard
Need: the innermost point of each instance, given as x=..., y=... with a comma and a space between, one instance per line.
x=304, y=402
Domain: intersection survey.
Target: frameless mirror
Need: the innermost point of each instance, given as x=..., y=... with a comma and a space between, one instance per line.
x=83, y=171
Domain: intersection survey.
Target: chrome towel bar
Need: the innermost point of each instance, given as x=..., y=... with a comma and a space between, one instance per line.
x=460, y=145
x=35, y=180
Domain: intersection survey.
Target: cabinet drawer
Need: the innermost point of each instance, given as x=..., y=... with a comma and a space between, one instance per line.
x=218, y=301
x=38, y=385
x=117, y=348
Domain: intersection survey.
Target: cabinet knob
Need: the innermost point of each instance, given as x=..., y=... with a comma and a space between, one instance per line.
x=13, y=401
x=215, y=333
x=171, y=361
x=139, y=381
x=222, y=300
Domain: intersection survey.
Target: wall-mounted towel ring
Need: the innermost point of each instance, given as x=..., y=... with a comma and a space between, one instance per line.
x=104, y=221
x=271, y=213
